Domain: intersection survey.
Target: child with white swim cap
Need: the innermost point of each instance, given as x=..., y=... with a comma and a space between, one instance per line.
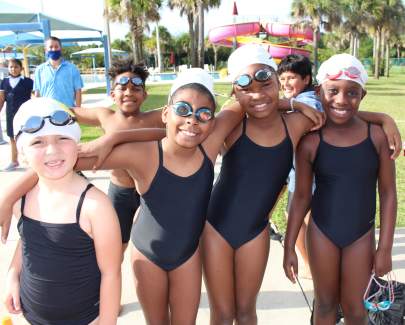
x=348, y=158
x=66, y=267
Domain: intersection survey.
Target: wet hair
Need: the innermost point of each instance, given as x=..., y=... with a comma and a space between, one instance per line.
x=54, y=38
x=197, y=87
x=299, y=64
x=120, y=66
x=16, y=61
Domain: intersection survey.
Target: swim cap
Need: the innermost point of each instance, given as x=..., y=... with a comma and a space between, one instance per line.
x=247, y=55
x=342, y=67
x=43, y=107
x=193, y=75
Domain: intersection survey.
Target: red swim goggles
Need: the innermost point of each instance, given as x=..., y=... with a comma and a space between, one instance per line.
x=351, y=72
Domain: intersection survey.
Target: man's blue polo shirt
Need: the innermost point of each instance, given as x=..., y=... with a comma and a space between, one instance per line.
x=60, y=83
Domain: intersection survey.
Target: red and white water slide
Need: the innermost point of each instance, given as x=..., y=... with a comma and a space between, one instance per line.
x=247, y=33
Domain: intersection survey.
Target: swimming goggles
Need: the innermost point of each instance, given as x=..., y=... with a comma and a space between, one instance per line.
x=382, y=299
x=36, y=123
x=184, y=109
x=351, y=72
x=260, y=75
x=124, y=80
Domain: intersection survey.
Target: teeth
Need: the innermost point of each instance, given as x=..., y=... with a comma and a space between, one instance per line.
x=340, y=112
x=188, y=133
x=260, y=107
x=54, y=163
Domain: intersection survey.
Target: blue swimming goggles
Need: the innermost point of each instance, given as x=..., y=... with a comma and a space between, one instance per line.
x=378, y=300
x=36, y=123
x=124, y=80
x=260, y=75
x=184, y=109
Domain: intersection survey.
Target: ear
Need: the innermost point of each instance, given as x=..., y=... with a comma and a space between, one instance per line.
x=364, y=93
x=145, y=94
x=318, y=90
x=307, y=80
x=112, y=94
x=165, y=111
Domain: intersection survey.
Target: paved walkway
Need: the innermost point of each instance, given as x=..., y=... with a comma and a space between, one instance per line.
x=280, y=302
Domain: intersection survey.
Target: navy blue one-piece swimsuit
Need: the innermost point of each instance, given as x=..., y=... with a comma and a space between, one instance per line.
x=172, y=214
x=247, y=188
x=344, y=202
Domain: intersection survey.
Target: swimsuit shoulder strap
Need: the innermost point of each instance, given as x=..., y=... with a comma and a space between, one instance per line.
x=79, y=205
x=22, y=204
x=160, y=153
x=285, y=127
x=244, y=121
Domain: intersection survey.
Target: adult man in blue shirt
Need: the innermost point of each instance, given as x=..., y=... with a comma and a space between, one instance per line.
x=57, y=78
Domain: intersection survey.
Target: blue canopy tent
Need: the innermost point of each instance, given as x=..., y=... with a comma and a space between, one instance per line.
x=18, y=21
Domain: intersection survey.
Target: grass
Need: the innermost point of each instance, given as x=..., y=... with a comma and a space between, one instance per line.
x=384, y=95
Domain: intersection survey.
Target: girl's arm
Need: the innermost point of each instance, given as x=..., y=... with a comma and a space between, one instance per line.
x=12, y=296
x=225, y=121
x=102, y=146
x=388, y=204
x=107, y=241
x=390, y=129
x=300, y=203
x=10, y=196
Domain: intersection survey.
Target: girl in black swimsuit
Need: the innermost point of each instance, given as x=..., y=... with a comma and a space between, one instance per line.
x=348, y=158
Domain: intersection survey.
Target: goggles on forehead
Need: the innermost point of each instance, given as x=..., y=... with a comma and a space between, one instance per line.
x=123, y=81
x=260, y=75
x=382, y=298
x=184, y=109
x=351, y=72
x=36, y=123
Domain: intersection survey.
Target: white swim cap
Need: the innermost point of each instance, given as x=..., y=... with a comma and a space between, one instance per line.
x=342, y=67
x=193, y=75
x=43, y=107
x=247, y=55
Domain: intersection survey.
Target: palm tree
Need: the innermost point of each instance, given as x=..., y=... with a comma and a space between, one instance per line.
x=321, y=13
x=383, y=18
x=137, y=13
x=194, y=10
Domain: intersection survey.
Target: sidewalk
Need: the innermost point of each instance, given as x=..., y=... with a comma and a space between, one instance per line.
x=279, y=302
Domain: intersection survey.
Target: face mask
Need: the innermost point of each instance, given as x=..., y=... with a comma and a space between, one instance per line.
x=54, y=55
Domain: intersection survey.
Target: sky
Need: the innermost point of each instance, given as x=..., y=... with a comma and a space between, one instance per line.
x=90, y=13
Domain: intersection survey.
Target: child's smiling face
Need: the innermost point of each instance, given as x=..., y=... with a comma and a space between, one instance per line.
x=340, y=99
x=188, y=131
x=292, y=84
x=129, y=97
x=260, y=98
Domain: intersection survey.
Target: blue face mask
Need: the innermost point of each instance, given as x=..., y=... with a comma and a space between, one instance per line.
x=54, y=55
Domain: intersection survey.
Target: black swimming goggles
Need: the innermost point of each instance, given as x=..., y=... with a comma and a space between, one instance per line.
x=123, y=81
x=184, y=109
x=36, y=123
x=260, y=75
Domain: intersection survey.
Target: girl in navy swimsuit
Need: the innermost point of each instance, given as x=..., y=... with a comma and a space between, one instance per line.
x=258, y=158
x=174, y=177
x=66, y=268
x=349, y=158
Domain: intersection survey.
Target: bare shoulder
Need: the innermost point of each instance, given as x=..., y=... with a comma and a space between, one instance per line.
x=97, y=205
x=308, y=144
x=153, y=118
x=378, y=137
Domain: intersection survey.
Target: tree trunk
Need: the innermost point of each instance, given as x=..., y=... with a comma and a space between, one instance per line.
x=195, y=40
x=398, y=51
x=200, y=34
x=374, y=45
x=316, y=36
x=377, y=54
x=159, y=53
x=387, y=59
x=190, y=18
x=382, y=51
x=352, y=40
